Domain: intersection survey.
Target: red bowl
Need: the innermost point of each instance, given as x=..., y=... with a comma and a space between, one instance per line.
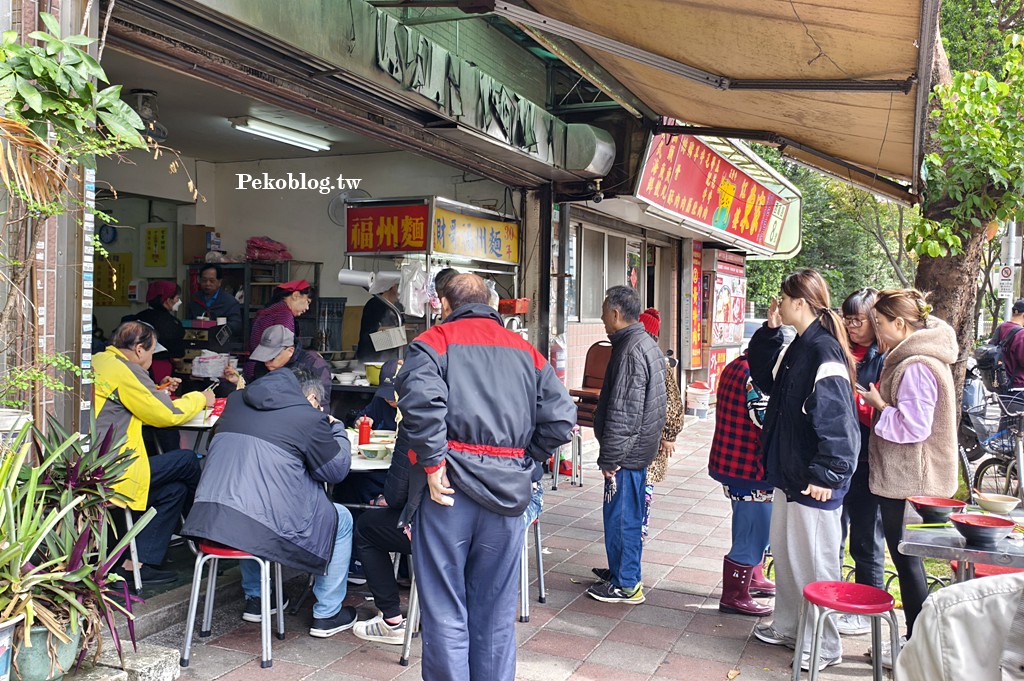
x=936, y=509
x=983, y=531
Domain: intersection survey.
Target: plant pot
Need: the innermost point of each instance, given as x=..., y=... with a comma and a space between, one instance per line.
x=6, y=641
x=35, y=664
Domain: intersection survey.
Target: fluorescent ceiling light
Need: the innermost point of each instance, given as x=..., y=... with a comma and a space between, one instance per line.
x=279, y=133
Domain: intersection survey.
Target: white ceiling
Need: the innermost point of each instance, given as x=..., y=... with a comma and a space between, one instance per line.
x=196, y=113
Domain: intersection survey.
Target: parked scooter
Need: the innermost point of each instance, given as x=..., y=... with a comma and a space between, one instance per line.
x=983, y=427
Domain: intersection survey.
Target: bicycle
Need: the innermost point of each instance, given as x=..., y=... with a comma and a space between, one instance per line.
x=999, y=474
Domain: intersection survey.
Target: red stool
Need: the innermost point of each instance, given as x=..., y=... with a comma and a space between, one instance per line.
x=824, y=599
x=211, y=552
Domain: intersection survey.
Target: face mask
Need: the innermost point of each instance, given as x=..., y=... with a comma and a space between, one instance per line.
x=174, y=308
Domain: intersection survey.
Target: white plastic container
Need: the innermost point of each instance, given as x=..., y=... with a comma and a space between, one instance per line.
x=698, y=398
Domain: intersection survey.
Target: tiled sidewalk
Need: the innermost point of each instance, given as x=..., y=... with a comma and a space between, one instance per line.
x=677, y=634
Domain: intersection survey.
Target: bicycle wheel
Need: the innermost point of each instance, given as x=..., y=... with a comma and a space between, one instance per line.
x=966, y=477
x=990, y=478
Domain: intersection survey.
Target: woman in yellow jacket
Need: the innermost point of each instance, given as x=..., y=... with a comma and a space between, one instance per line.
x=125, y=399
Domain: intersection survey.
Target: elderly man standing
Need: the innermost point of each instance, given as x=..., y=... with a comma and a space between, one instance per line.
x=262, y=491
x=481, y=408
x=212, y=301
x=628, y=422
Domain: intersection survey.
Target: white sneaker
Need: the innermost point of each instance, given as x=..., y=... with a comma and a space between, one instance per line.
x=380, y=631
x=823, y=662
x=887, y=652
x=853, y=625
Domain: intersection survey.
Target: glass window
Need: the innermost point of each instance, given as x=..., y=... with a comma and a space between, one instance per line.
x=616, y=261
x=592, y=285
x=572, y=309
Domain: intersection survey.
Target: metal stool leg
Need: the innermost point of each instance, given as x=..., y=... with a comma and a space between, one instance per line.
x=577, y=457
x=800, y=628
x=894, y=637
x=266, y=659
x=133, y=551
x=193, y=606
x=524, y=579
x=554, y=471
x=876, y=644
x=279, y=587
x=211, y=589
x=412, y=620
x=543, y=596
x=821, y=616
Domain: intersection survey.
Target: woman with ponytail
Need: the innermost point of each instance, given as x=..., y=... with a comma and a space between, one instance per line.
x=810, y=443
x=913, y=446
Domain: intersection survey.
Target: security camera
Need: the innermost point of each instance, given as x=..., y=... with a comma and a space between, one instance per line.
x=598, y=197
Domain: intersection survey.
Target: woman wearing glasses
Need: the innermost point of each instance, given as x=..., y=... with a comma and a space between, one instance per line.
x=861, y=519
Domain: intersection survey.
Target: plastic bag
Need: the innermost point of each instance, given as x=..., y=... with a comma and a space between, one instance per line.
x=412, y=292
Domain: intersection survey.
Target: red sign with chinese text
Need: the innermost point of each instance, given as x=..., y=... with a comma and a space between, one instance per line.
x=695, y=304
x=387, y=229
x=684, y=176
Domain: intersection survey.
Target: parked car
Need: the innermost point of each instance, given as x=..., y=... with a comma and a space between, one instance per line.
x=752, y=324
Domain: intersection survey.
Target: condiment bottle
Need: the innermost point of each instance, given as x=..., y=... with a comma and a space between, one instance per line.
x=364, y=431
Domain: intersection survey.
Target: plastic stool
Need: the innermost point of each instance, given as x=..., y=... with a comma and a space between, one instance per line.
x=524, y=572
x=211, y=552
x=824, y=599
x=576, y=461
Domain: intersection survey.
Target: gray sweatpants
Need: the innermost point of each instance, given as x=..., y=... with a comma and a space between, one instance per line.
x=805, y=544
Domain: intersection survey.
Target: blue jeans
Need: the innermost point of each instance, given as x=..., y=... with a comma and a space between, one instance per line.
x=623, y=519
x=536, y=504
x=751, y=521
x=330, y=589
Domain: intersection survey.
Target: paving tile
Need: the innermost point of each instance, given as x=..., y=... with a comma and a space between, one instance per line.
x=209, y=662
x=592, y=606
x=380, y=663
x=246, y=639
x=317, y=652
x=534, y=666
x=590, y=671
x=716, y=648
x=627, y=656
x=647, y=635
x=672, y=599
x=584, y=624
x=561, y=644
x=683, y=667
x=281, y=671
x=661, y=558
x=722, y=625
x=684, y=538
x=662, y=617
x=691, y=575
x=555, y=541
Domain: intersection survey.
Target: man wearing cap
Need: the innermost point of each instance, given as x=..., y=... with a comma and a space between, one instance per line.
x=289, y=300
x=1013, y=354
x=277, y=349
x=212, y=301
x=382, y=311
x=481, y=409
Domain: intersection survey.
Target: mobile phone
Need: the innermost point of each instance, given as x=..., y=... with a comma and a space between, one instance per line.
x=861, y=388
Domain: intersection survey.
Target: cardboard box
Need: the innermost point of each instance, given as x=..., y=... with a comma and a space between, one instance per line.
x=193, y=243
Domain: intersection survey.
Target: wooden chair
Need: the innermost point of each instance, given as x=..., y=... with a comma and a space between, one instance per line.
x=594, y=369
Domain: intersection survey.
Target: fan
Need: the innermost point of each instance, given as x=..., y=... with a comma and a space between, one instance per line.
x=336, y=209
x=145, y=106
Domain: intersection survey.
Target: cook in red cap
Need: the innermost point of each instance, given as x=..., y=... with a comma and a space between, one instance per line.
x=295, y=285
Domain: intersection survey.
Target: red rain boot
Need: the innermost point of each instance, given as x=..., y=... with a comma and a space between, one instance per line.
x=735, y=592
x=759, y=584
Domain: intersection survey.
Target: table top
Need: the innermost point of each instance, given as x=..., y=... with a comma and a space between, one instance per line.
x=364, y=389
x=197, y=422
x=947, y=543
x=360, y=464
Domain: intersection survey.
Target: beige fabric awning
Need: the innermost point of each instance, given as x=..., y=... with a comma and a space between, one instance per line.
x=839, y=79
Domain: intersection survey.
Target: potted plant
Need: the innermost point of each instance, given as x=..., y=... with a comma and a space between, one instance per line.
x=56, y=563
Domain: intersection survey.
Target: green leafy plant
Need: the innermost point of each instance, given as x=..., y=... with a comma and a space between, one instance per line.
x=46, y=371
x=57, y=566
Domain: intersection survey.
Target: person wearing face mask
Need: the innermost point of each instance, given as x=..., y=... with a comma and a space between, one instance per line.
x=164, y=298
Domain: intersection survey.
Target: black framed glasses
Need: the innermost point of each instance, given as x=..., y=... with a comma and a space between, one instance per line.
x=854, y=322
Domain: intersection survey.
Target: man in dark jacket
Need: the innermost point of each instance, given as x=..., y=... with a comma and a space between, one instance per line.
x=213, y=302
x=262, y=491
x=481, y=408
x=628, y=421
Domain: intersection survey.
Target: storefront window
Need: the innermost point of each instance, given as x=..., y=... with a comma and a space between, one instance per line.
x=592, y=285
x=572, y=308
x=616, y=261
x=634, y=272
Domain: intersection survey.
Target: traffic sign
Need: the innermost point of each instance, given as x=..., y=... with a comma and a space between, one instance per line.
x=1005, y=281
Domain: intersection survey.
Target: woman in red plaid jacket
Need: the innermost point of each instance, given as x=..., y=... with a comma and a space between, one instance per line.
x=736, y=462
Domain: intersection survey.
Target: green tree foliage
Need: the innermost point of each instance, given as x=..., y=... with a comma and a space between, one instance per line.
x=972, y=32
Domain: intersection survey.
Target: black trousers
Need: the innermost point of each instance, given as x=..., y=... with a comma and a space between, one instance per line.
x=913, y=582
x=173, y=478
x=376, y=537
x=867, y=540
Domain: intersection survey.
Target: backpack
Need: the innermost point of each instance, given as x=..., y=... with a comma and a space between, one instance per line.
x=991, y=358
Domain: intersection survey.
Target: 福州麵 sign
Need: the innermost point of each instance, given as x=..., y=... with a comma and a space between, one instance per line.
x=388, y=229
x=475, y=237
x=686, y=177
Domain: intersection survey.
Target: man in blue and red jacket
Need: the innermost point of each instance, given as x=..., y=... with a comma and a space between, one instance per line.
x=481, y=408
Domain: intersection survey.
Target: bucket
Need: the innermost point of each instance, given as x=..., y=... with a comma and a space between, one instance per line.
x=373, y=372
x=698, y=395
x=6, y=644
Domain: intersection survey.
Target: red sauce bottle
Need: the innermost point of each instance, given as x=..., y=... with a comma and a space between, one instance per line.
x=364, y=432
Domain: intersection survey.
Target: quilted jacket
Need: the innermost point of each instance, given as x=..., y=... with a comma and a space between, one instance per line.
x=630, y=414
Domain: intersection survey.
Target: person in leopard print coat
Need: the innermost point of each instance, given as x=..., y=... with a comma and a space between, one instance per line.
x=656, y=472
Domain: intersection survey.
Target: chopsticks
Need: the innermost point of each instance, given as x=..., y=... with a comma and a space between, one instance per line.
x=922, y=526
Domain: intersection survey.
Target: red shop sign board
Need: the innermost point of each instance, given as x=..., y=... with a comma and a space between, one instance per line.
x=684, y=176
x=387, y=229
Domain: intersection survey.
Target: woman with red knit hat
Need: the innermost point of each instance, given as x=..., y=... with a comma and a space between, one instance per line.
x=288, y=301
x=164, y=298
x=656, y=472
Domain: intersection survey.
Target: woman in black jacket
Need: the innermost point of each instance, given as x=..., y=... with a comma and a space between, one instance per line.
x=810, y=442
x=164, y=298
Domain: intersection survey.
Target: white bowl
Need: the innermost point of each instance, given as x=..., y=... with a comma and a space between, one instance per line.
x=997, y=503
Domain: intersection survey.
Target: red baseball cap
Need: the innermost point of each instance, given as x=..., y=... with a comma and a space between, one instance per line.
x=295, y=285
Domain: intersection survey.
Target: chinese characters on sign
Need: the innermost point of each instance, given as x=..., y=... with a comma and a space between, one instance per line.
x=156, y=247
x=112, y=276
x=474, y=237
x=387, y=229
x=695, y=305
x=684, y=176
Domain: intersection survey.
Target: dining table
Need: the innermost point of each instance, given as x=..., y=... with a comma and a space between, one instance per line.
x=948, y=544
